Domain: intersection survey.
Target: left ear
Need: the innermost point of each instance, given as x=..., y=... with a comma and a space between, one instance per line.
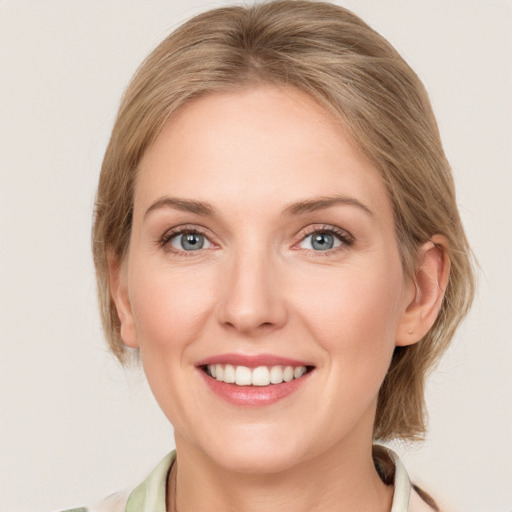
x=432, y=272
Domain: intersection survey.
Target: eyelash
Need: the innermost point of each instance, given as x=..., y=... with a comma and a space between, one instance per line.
x=164, y=242
x=347, y=240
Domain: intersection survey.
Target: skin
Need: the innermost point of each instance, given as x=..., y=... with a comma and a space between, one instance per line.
x=258, y=286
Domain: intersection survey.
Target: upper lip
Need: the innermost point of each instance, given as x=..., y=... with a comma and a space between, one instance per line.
x=252, y=361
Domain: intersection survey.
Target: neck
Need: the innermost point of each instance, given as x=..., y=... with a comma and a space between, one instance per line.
x=344, y=479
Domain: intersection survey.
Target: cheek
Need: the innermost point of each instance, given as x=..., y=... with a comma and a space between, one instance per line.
x=354, y=316
x=170, y=309
x=169, y=306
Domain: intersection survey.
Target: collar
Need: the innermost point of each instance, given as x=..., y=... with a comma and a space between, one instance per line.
x=149, y=496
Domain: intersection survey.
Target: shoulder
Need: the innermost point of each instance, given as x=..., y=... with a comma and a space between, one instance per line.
x=149, y=496
x=421, y=501
x=407, y=497
x=113, y=503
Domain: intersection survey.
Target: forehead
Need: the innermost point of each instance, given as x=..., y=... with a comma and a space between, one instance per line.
x=246, y=145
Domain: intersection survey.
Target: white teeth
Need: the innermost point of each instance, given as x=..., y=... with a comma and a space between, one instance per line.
x=276, y=375
x=242, y=376
x=260, y=376
x=229, y=374
x=299, y=372
x=288, y=374
x=219, y=372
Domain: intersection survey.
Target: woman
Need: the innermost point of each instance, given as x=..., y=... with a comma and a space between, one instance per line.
x=276, y=234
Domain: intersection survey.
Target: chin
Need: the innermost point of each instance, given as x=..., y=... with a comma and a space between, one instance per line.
x=258, y=461
x=256, y=451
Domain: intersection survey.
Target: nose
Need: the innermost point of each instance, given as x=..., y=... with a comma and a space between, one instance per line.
x=252, y=301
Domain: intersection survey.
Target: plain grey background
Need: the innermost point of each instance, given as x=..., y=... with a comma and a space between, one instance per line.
x=74, y=426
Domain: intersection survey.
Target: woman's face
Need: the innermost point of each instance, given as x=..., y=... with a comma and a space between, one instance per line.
x=262, y=239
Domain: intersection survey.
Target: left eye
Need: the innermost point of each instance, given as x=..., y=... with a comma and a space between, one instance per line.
x=321, y=241
x=190, y=241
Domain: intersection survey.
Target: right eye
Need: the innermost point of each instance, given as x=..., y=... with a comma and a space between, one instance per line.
x=187, y=241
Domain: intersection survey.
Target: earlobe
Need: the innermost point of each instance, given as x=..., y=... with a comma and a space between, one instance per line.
x=120, y=296
x=431, y=276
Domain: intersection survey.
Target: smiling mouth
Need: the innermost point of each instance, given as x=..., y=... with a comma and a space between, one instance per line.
x=260, y=376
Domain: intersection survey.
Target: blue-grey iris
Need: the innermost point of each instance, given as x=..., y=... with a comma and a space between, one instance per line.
x=322, y=241
x=192, y=241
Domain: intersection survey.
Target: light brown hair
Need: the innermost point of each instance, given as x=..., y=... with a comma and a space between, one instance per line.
x=332, y=55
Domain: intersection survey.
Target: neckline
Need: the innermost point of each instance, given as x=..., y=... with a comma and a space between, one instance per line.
x=150, y=495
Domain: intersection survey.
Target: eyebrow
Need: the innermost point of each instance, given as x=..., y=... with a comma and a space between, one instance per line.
x=322, y=203
x=185, y=205
x=297, y=208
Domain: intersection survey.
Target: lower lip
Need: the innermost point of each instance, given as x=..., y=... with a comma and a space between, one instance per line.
x=253, y=395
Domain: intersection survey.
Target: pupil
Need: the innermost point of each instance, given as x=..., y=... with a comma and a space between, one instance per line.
x=192, y=241
x=322, y=241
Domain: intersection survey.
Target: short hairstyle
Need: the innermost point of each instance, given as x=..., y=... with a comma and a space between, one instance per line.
x=329, y=53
